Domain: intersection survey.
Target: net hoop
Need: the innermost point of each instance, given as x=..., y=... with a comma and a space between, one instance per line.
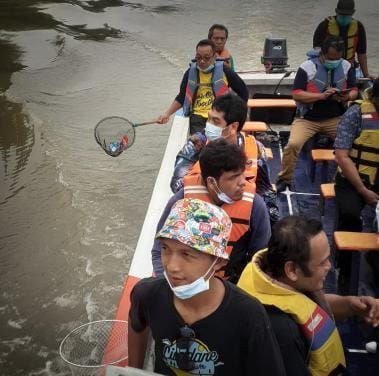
x=77, y=329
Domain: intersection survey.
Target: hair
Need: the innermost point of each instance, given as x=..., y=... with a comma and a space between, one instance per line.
x=217, y=26
x=220, y=156
x=332, y=41
x=290, y=241
x=206, y=42
x=233, y=107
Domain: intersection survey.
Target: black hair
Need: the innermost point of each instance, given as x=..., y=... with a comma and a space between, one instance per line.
x=217, y=26
x=290, y=241
x=220, y=156
x=332, y=41
x=233, y=107
x=206, y=42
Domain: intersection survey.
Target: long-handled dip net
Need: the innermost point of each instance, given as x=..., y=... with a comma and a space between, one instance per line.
x=115, y=134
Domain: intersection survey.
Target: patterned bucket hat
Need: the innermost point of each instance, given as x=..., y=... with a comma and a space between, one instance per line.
x=200, y=225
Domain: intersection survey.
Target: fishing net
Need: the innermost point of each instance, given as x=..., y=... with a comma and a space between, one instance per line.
x=115, y=134
x=91, y=347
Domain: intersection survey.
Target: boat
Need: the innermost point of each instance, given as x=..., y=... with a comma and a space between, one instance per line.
x=306, y=198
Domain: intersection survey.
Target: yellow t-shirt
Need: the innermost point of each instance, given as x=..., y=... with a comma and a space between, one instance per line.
x=204, y=95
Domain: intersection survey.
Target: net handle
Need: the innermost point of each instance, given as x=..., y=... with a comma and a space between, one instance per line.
x=145, y=123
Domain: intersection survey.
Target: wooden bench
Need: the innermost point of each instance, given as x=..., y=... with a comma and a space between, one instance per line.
x=320, y=155
x=254, y=126
x=327, y=191
x=355, y=241
x=267, y=103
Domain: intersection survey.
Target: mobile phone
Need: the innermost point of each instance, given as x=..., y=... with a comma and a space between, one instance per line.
x=342, y=92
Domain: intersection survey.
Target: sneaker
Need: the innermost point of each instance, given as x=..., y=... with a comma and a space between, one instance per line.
x=281, y=185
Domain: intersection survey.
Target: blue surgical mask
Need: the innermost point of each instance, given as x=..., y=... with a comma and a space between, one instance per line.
x=212, y=132
x=206, y=70
x=223, y=196
x=344, y=20
x=196, y=287
x=332, y=64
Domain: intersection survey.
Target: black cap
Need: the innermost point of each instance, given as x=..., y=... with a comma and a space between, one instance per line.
x=345, y=7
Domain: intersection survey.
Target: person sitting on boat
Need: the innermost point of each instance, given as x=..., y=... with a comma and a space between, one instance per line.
x=319, y=104
x=200, y=324
x=357, y=180
x=226, y=119
x=350, y=30
x=205, y=80
x=218, y=34
x=288, y=278
x=222, y=182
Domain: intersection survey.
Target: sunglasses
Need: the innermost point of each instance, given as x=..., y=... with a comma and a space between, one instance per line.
x=183, y=344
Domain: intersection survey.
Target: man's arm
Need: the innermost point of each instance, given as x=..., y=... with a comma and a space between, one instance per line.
x=156, y=250
x=362, y=60
x=177, y=102
x=350, y=172
x=362, y=49
x=236, y=84
x=137, y=346
x=319, y=34
x=348, y=306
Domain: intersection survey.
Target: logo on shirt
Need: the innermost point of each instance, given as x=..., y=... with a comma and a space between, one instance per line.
x=189, y=357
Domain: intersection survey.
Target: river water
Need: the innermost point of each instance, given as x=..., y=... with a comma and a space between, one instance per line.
x=70, y=215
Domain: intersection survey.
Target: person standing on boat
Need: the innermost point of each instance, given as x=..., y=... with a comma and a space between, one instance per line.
x=218, y=34
x=357, y=180
x=319, y=105
x=222, y=182
x=205, y=80
x=288, y=278
x=350, y=30
x=225, y=120
x=201, y=325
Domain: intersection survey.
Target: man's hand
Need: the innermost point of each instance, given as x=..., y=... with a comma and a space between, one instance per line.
x=328, y=92
x=163, y=119
x=366, y=307
x=370, y=197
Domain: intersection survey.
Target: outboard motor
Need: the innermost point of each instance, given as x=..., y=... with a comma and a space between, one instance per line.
x=275, y=55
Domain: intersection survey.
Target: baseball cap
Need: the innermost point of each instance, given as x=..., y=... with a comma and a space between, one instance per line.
x=200, y=225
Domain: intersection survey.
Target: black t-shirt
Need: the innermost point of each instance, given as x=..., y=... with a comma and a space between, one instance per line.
x=292, y=343
x=236, y=339
x=322, y=32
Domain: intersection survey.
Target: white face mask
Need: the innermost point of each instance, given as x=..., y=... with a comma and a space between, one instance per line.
x=212, y=132
x=196, y=287
x=223, y=196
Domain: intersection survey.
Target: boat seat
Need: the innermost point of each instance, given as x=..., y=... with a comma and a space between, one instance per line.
x=320, y=155
x=326, y=192
x=276, y=103
x=355, y=241
x=254, y=126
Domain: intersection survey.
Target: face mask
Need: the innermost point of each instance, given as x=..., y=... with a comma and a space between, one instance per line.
x=212, y=132
x=206, y=70
x=223, y=196
x=332, y=64
x=196, y=287
x=344, y=20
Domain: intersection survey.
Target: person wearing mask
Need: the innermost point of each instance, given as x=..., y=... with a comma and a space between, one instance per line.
x=218, y=34
x=205, y=80
x=222, y=182
x=350, y=30
x=200, y=324
x=321, y=98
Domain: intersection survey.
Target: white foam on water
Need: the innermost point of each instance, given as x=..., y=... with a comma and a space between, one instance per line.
x=66, y=300
x=17, y=324
x=91, y=306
